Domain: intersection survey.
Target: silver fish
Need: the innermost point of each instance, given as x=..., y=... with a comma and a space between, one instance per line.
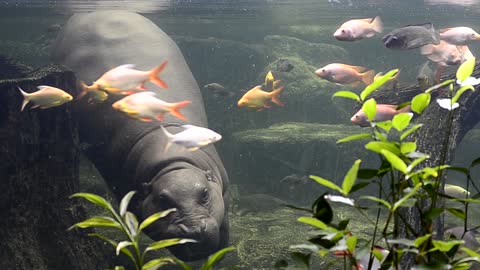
x=411, y=37
x=192, y=137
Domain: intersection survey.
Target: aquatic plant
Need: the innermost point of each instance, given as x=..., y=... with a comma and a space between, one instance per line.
x=404, y=182
x=127, y=223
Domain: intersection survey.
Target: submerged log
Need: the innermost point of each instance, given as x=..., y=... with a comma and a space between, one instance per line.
x=38, y=172
x=438, y=137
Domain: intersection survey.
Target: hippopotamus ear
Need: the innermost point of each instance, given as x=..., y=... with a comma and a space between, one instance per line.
x=146, y=188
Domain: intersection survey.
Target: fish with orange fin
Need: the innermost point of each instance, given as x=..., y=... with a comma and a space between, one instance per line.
x=257, y=99
x=444, y=54
x=358, y=29
x=391, y=83
x=146, y=107
x=125, y=80
x=461, y=35
x=344, y=74
x=384, y=112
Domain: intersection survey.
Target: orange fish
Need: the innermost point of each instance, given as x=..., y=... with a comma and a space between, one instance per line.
x=384, y=112
x=124, y=80
x=459, y=35
x=257, y=99
x=146, y=107
x=346, y=74
x=358, y=29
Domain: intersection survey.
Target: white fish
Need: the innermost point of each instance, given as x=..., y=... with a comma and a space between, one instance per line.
x=46, y=97
x=124, y=80
x=192, y=137
x=359, y=28
x=146, y=107
x=459, y=35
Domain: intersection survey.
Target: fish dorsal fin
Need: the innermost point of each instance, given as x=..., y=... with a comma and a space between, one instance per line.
x=187, y=126
x=426, y=25
x=126, y=66
x=368, y=20
x=42, y=87
x=389, y=106
x=359, y=68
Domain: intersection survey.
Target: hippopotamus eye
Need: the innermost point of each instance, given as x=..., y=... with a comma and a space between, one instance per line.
x=164, y=201
x=205, y=195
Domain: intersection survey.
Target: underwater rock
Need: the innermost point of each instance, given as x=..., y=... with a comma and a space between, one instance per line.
x=10, y=68
x=35, y=53
x=282, y=146
x=316, y=54
x=39, y=170
x=311, y=33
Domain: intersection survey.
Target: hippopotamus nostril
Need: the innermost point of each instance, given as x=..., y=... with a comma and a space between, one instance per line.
x=184, y=229
x=204, y=226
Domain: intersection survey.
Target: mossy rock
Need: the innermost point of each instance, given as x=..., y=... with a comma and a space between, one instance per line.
x=316, y=54
x=311, y=32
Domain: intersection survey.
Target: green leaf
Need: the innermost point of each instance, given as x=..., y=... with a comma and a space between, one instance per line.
x=420, y=102
x=471, y=252
x=182, y=264
x=122, y=245
x=351, y=243
x=325, y=182
x=157, y=263
x=395, y=161
x=370, y=109
x=460, y=91
x=457, y=212
x=214, y=258
x=346, y=94
x=475, y=162
x=440, y=85
x=355, y=137
x=358, y=186
x=408, y=147
x=97, y=222
x=95, y=199
x=385, y=125
x=114, y=244
x=119, y=268
x=151, y=219
x=375, y=199
x=377, y=83
x=465, y=70
x=410, y=131
x=416, y=162
x=132, y=223
x=402, y=241
x=445, y=246
x=168, y=242
x=315, y=223
x=377, y=147
x=350, y=177
x=401, y=121
x=420, y=240
x=125, y=201
x=412, y=192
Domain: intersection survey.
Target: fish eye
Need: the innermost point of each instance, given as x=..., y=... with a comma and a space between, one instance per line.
x=343, y=31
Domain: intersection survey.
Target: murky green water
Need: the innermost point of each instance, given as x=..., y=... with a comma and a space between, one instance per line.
x=234, y=43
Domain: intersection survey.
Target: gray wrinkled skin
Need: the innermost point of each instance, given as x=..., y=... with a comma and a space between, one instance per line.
x=129, y=153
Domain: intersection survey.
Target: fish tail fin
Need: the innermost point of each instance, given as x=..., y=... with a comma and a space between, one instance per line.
x=154, y=75
x=275, y=94
x=169, y=139
x=26, y=98
x=84, y=90
x=427, y=49
x=177, y=106
x=367, y=77
x=377, y=25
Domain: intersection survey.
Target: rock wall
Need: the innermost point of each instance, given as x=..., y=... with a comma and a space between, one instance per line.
x=38, y=172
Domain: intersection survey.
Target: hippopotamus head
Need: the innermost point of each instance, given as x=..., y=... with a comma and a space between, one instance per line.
x=197, y=197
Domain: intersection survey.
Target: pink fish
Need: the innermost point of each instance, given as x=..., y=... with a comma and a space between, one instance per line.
x=46, y=97
x=124, y=80
x=358, y=29
x=346, y=74
x=384, y=112
x=459, y=35
x=444, y=53
x=146, y=107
